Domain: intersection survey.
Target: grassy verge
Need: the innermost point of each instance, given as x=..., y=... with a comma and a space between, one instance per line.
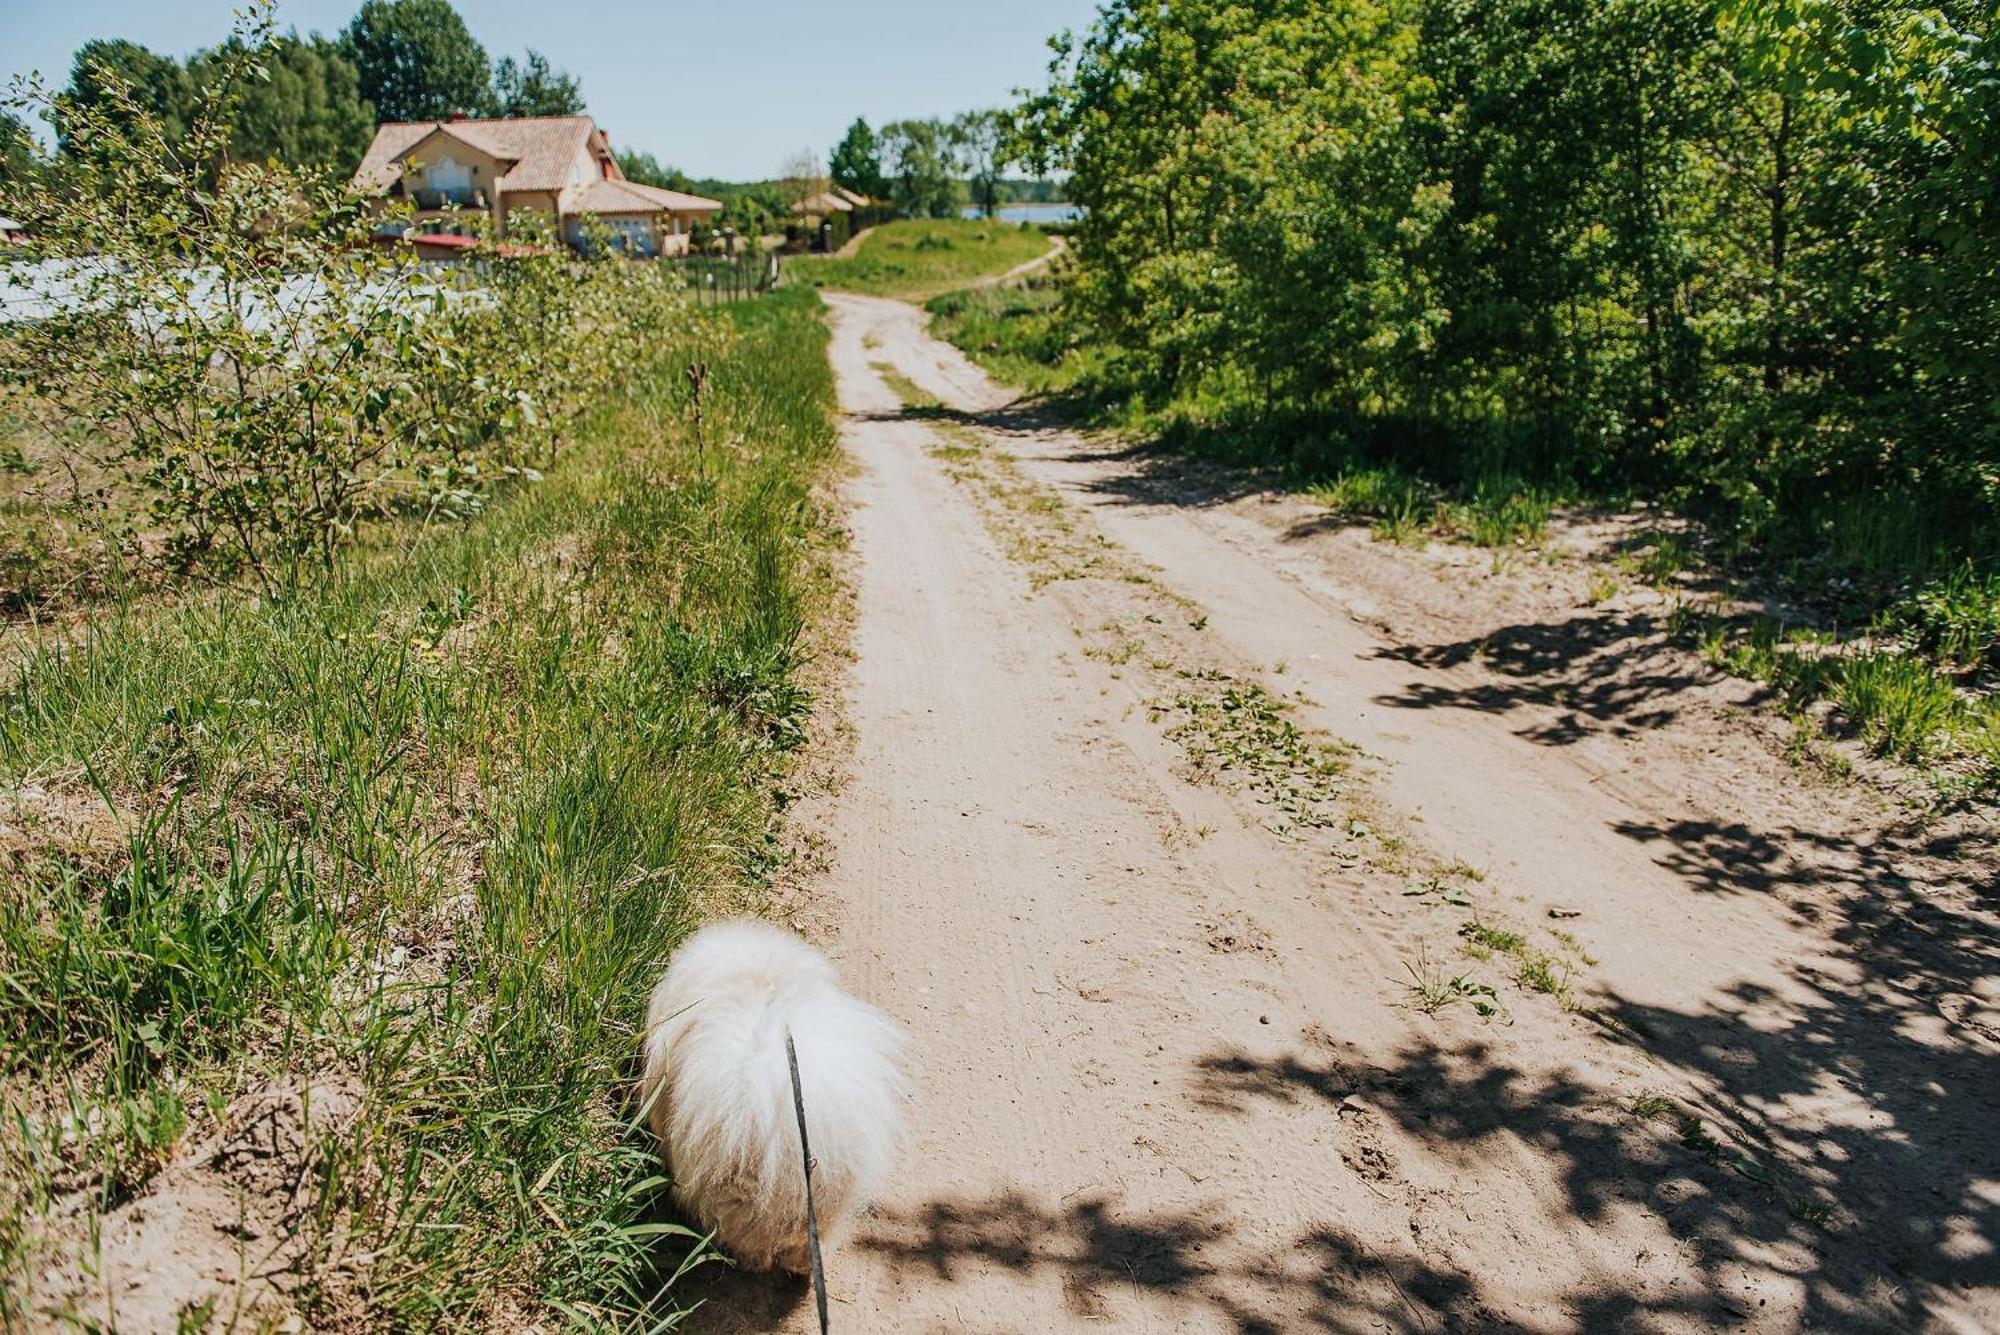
x=400, y=856
x=1890, y=686
x=1904, y=654
x=919, y=258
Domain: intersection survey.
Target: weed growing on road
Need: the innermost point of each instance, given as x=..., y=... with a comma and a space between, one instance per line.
x=1648, y=1106
x=1431, y=989
x=1234, y=730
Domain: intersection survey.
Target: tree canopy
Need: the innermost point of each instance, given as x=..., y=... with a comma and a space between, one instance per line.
x=534, y=88
x=417, y=60
x=647, y=170
x=1745, y=250
x=856, y=162
x=157, y=83
x=920, y=166
x=307, y=112
x=981, y=141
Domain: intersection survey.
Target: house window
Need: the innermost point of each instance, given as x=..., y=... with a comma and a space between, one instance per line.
x=447, y=184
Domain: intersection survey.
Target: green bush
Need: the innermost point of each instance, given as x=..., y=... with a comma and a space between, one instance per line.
x=264, y=374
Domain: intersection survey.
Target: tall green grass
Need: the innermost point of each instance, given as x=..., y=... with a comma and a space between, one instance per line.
x=426, y=833
x=920, y=258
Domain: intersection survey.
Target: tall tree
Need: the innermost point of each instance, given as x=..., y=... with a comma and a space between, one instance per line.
x=157, y=84
x=18, y=157
x=533, y=87
x=417, y=60
x=307, y=112
x=857, y=161
x=920, y=165
x=981, y=139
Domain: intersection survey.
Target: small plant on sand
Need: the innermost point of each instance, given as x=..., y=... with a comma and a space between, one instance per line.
x=1481, y=940
x=1695, y=1135
x=1431, y=989
x=1649, y=1106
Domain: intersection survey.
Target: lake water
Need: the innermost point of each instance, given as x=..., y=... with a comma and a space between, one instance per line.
x=1031, y=213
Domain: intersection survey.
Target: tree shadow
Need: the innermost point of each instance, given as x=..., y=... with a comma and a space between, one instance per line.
x=1841, y=1134
x=1608, y=672
x=1322, y=1279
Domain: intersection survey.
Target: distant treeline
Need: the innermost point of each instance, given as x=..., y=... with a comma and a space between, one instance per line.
x=1740, y=253
x=933, y=168
x=396, y=60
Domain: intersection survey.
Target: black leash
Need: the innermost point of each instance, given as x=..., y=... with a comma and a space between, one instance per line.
x=812, y=1216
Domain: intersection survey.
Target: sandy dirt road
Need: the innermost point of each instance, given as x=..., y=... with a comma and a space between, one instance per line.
x=1278, y=962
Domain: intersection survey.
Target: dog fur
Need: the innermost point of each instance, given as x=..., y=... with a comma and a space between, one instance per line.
x=719, y=1091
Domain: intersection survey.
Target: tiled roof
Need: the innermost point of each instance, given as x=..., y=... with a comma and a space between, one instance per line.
x=631, y=197
x=826, y=201
x=542, y=149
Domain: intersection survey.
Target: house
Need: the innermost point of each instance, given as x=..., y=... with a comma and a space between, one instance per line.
x=12, y=233
x=557, y=169
x=824, y=204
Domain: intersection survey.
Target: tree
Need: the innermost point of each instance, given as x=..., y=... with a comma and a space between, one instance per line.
x=535, y=88
x=800, y=179
x=646, y=170
x=158, y=85
x=981, y=140
x=921, y=167
x=18, y=158
x=857, y=161
x=417, y=61
x=308, y=110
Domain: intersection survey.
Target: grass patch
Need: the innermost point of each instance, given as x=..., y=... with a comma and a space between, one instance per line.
x=1235, y=730
x=424, y=833
x=1015, y=331
x=921, y=258
x=1893, y=696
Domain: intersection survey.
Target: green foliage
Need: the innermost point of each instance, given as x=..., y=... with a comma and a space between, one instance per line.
x=1954, y=621
x=241, y=355
x=417, y=60
x=534, y=88
x=422, y=836
x=17, y=150
x=982, y=146
x=114, y=80
x=646, y=170
x=1016, y=331
x=305, y=111
x=920, y=165
x=856, y=162
x=1893, y=699
x=1743, y=255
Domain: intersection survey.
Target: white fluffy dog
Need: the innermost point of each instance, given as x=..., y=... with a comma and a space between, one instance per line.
x=719, y=1088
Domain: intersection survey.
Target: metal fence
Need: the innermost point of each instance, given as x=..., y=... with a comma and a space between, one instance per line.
x=713, y=279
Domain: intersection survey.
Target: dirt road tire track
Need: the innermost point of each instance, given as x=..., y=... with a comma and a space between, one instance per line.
x=1127, y=1125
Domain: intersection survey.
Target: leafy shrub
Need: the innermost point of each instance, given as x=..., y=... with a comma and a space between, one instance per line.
x=262, y=369
x=1955, y=620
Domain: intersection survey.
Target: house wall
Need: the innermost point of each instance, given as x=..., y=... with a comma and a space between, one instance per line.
x=642, y=231
x=461, y=163
x=543, y=205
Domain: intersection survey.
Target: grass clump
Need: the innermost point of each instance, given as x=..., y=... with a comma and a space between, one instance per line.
x=1894, y=697
x=1016, y=332
x=920, y=258
x=417, y=838
x=1432, y=990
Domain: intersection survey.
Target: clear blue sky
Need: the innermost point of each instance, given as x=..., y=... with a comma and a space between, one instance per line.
x=717, y=89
